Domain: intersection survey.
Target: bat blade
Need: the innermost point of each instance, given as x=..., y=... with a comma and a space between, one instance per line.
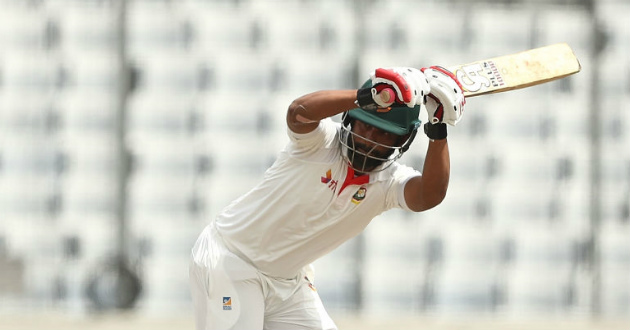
x=515, y=71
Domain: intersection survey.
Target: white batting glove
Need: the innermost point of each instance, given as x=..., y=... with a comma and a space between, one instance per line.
x=445, y=102
x=410, y=85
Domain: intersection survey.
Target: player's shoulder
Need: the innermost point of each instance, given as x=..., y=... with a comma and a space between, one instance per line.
x=326, y=127
x=322, y=144
x=396, y=171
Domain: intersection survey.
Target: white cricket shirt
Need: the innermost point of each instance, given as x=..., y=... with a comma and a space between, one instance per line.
x=307, y=204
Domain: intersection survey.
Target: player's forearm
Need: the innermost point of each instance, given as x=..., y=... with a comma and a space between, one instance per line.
x=435, y=173
x=427, y=191
x=306, y=111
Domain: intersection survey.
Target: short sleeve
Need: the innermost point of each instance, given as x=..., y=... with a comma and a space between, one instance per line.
x=324, y=136
x=401, y=174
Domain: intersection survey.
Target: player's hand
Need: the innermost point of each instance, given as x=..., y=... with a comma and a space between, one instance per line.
x=445, y=102
x=409, y=84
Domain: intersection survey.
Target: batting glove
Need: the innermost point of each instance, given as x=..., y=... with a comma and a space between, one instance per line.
x=445, y=102
x=409, y=85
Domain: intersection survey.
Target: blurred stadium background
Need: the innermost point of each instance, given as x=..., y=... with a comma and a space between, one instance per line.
x=125, y=126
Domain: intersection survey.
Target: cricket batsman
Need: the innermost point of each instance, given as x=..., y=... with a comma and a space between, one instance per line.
x=250, y=267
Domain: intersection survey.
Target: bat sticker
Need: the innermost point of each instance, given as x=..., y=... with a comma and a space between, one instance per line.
x=478, y=76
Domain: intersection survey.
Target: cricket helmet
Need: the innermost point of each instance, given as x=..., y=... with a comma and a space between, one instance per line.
x=400, y=120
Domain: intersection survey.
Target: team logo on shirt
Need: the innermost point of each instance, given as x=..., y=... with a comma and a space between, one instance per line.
x=359, y=195
x=227, y=303
x=332, y=184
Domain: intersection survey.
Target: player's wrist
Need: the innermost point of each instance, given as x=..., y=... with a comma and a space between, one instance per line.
x=435, y=131
x=365, y=100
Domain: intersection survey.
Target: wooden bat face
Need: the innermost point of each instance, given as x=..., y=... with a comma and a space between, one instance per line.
x=504, y=73
x=520, y=70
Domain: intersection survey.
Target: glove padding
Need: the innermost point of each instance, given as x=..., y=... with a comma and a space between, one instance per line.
x=410, y=85
x=445, y=102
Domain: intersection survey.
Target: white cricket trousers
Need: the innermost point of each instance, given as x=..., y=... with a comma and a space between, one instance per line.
x=229, y=293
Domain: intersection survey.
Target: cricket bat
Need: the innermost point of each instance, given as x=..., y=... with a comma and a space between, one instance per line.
x=509, y=72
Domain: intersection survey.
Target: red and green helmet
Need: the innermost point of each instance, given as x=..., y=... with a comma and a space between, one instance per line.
x=400, y=120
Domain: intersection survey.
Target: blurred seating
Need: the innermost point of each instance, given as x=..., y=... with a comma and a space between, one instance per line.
x=165, y=292
x=402, y=31
x=153, y=113
x=474, y=161
x=29, y=238
x=25, y=30
x=89, y=194
x=518, y=117
x=615, y=63
x=172, y=72
x=91, y=73
x=87, y=29
x=538, y=291
x=157, y=27
x=30, y=156
x=241, y=72
x=213, y=80
x=615, y=268
x=571, y=120
x=89, y=155
x=87, y=113
x=519, y=201
x=392, y=287
x=394, y=253
x=151, y=195
x=541, y=275
x=336, y=277
x=499, y=30
x=33, y=74
x=616, y=30
x=528, y=162
x=165, y=238
x=305, y=28
x=473, y=201
x=570, y=25
x=28, y=117
x=307, y=73
x=211, y=36
x=466, y=279
x=96, y=237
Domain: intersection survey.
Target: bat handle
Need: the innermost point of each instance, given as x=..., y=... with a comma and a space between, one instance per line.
x=387, y=95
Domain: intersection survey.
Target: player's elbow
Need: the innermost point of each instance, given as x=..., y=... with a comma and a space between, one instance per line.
x=297, y=119
x=438, y=197
x=428, y=200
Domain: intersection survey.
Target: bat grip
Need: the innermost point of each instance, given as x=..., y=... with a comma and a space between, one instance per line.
x=387, y=95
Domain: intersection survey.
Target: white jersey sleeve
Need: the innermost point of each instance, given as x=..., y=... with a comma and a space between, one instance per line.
x=323, y=137
x=395, y=197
